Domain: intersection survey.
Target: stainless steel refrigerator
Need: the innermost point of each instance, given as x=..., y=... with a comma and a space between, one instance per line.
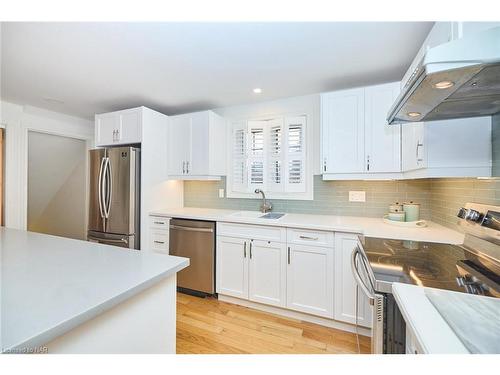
x=114, y=206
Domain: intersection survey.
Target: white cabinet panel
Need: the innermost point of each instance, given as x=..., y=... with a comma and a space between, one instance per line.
x=267, y=272
x=119, y=128
x=232, y=266
x=197, y=144
x=345, y=285
x=342, y=127
x=310, y=279
x=382, y=141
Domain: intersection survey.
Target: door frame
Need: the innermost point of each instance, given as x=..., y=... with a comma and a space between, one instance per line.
x=89, y=142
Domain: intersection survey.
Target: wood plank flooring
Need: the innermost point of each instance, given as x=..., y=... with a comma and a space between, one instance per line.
x=208, y=326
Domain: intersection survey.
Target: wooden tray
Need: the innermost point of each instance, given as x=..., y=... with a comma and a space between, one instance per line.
x=406, y=224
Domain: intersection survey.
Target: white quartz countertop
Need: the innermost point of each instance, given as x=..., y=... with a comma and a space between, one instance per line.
x=433, y=333
x=49, y=285
x=368, y=226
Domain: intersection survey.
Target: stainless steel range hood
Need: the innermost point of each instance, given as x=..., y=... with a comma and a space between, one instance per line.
x=453, y=80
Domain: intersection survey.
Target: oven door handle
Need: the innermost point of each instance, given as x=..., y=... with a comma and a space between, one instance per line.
x=358, y=279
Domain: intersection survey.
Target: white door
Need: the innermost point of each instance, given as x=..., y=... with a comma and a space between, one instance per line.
x=232, y=266
x=382, y=141
x=179, y=144
x=106, y=127
x=130, y=127
x=199, y=160
x=342, y=128
x=267, y=272
x=310, y=280
x=413, y=146
x=345, y=285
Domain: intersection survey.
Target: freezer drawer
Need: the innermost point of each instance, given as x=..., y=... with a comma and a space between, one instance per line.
x=120, y=240
x=195, y=240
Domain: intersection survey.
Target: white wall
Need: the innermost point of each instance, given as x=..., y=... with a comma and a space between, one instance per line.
x=18, y=120
x=308, y=105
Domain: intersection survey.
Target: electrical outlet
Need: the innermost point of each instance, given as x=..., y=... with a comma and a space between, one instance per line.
x=221, y=193
x=357, y=196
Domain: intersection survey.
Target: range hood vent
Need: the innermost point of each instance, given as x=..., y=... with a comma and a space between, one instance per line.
x=454, y=80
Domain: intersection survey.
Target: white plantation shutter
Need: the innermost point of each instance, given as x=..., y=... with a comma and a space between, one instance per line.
x=295, y=133
x=275, y=156
x=239, y=155
x=256, y=160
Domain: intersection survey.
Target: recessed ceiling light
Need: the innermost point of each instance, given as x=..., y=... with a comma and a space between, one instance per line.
x=444, y=85
x=413, y=114
x=257, y=90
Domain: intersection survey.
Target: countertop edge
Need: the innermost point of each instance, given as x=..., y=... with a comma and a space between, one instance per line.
x=435, y=325
x=73, y=322
x=455, y=239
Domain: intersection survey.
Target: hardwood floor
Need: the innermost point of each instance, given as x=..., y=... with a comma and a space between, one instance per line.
x=208, y=326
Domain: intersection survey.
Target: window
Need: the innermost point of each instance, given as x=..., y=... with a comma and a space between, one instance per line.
x=270, y=155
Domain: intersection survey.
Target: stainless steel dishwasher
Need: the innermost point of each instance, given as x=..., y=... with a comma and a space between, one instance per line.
x=194, y=239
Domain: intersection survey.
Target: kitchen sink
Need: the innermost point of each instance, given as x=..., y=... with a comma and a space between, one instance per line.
x=257, y=215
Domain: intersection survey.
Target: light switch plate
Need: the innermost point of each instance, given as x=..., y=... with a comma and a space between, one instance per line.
x=221, y=193
x=357, y=196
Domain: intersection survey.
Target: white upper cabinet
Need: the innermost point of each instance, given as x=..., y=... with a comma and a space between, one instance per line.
x=443, y=148
x=356, y=140
x=343, y=131
x=119, y=128
x=382, y=141
x=197, y=144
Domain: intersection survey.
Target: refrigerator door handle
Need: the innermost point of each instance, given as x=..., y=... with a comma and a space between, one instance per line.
x=99, y=188
x=109, y=187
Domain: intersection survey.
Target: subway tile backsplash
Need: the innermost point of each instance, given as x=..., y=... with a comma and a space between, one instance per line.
x=440, y=199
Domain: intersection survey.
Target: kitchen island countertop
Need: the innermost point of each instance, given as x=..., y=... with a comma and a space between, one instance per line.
x=50, y=285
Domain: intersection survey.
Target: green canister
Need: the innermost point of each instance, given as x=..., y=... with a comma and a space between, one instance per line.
x=412, y=211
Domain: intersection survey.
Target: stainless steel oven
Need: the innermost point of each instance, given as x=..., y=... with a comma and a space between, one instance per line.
x=388, y=325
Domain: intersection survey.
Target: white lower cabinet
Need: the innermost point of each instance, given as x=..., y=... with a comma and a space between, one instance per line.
x=159, y=234
x=267, y=272
x=232, y=267
x=310, y=279
x=345, y=285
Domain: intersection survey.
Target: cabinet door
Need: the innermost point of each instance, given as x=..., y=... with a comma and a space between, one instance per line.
x=199, y=160
x=267, y=272
x=130, y=127
x=342, y=128
x=413, y=147
x=179, y=144
x=106, y=126
x=345, y=285
x=310, y=280
x=382, y=141
x=232, y=266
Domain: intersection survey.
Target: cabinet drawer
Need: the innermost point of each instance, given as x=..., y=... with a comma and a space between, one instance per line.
x=309, y=237
x=159, y=241
x=159, y=222
x=254, y=232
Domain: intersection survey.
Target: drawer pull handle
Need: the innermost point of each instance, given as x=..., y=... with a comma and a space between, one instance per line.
x=308, y=238
x=159, y=242
x=160, y=222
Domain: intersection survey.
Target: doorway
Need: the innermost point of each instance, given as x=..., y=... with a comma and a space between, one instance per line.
x=57, y=185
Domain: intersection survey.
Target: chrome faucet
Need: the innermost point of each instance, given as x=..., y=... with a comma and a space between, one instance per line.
x=265, y=206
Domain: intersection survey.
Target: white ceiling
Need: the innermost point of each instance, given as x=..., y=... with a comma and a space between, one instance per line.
x=181, y=67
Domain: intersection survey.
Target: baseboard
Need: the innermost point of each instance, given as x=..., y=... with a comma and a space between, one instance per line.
x=297, y=315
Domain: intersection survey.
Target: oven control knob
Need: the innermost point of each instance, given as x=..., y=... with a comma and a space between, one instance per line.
x=462, y=212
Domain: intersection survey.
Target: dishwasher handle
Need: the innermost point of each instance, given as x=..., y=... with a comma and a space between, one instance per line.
x=191, y=229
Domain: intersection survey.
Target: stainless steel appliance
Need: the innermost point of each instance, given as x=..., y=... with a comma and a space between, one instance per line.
x=453, y=80
x=473, y=267
x=114, y=206
x=194, y=239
